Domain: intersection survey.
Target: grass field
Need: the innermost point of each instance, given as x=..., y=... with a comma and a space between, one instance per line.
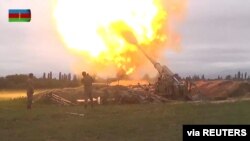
x=149, y=122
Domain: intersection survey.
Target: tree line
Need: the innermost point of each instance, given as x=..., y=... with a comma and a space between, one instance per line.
x=18, y=81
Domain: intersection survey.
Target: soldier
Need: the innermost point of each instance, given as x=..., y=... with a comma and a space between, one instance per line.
x=87, y=81
x=30, y=90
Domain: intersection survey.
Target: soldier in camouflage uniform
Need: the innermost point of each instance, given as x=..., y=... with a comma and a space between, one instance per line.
x=87, y=81
x=30, y=90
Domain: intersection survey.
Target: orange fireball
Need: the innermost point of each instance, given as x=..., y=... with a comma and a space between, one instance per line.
x=93, y=28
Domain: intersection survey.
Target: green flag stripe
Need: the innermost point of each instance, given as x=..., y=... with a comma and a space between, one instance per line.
x=19, y=19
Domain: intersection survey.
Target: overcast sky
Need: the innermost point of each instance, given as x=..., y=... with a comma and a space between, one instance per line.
x=31, y=47
x=215, y=39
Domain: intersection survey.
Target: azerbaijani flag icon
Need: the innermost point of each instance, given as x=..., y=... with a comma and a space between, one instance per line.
x=19, y=15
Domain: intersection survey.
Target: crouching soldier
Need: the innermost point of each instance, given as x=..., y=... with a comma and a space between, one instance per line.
x=30, y=90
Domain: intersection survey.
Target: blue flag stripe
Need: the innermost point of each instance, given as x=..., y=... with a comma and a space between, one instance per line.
x=21, y=11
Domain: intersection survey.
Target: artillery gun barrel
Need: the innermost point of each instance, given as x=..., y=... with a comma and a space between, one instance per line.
x=158, y=66
x=130, y=37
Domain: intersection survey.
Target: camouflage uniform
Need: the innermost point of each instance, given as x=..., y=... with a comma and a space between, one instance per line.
x=87, y=82
x=30, y=91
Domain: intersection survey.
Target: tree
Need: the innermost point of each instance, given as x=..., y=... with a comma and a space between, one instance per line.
x=238, y=75
x=60, y=76
x=203, y=77
x=44, y=75
x=228, y=77
x=69, y=77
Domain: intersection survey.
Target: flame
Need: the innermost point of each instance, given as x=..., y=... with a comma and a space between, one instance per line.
x=93, y=29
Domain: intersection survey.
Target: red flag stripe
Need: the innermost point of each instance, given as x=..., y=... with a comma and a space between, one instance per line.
x=25, y=15
x=14, y=15
x=21, y=15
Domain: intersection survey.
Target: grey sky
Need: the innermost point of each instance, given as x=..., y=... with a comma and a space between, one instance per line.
x=31, y=47
x=215, y=39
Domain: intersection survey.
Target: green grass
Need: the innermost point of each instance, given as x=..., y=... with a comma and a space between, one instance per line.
x=149, y=122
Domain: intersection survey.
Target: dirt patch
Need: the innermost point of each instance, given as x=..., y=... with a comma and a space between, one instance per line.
x=223, y=89
x=220, y=90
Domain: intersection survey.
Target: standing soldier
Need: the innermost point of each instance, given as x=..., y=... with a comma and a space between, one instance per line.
x=30, y=90
x=87, y=81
